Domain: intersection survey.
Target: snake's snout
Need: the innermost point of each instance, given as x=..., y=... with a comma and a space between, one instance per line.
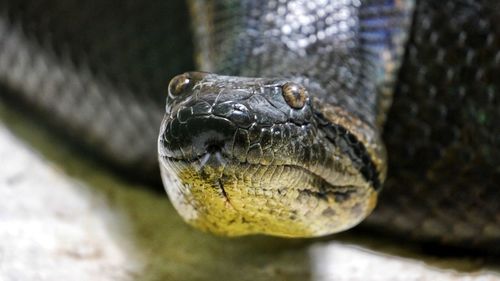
x=197, y=123
x=190, y=136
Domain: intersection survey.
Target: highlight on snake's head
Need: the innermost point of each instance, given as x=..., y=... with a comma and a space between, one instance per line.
x=252, y=155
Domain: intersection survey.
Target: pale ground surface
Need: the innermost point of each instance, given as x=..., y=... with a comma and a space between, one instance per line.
x=56, y=227
x=51, y=227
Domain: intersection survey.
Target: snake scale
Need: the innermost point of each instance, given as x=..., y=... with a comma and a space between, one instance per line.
x=354, y=97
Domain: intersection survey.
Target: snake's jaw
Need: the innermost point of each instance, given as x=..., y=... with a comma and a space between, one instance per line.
x=242, y=155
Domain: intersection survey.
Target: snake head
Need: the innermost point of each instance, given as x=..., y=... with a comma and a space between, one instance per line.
x=253, y=155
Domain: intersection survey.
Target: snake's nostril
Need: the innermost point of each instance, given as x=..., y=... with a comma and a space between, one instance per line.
x=214, y=147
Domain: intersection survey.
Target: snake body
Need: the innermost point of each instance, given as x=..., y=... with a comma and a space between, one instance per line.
x=299, y=151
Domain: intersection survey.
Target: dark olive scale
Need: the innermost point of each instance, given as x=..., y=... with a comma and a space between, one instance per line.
x=241, y=144
x=184, y=114
x=265, y=138
x=201, y=108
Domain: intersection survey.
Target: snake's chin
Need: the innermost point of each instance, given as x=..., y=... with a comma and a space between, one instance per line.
x=224, y=196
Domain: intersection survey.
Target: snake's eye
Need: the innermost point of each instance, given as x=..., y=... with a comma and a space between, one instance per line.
x=178, y=84
x=295, y=95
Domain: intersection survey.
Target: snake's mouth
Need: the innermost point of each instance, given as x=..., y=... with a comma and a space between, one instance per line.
x=228, y=197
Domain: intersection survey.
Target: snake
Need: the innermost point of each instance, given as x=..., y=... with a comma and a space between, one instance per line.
x=300, y=118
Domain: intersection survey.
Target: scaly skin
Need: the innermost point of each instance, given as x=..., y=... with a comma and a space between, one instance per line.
x=237, y=159
x=103, y=82
x=442, y=131
x=340, y=56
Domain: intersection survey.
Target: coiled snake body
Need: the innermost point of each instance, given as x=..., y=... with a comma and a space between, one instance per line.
x=299, y=151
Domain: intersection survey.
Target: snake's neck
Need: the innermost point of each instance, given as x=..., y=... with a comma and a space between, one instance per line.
x=346, y=53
